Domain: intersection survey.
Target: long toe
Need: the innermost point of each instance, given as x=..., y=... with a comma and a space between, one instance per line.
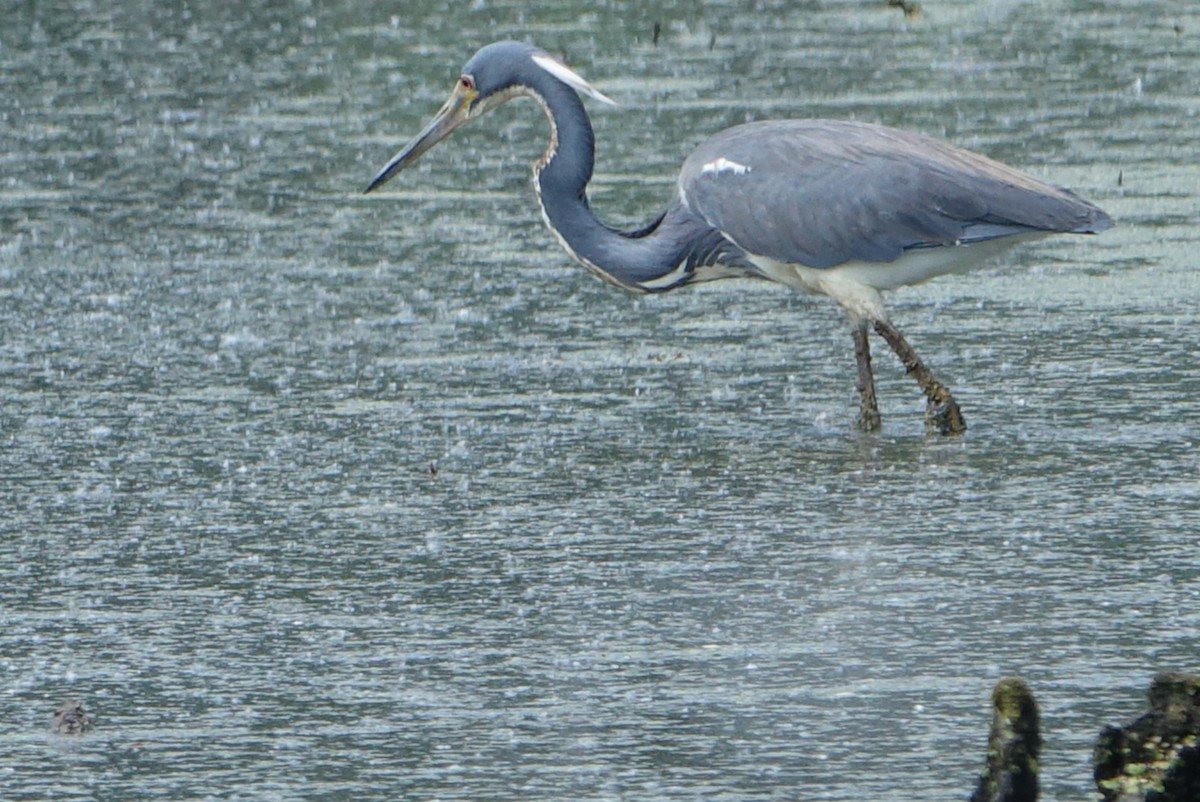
x=944, y=417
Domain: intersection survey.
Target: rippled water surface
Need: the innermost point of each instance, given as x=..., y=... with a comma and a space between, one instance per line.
x=307, y=494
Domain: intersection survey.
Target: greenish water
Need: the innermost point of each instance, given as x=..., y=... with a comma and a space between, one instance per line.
x=314, y=495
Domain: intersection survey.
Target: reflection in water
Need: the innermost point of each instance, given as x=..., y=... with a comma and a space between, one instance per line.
x=654, y=560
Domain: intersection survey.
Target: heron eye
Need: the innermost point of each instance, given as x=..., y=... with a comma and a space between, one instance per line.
x=466, y=82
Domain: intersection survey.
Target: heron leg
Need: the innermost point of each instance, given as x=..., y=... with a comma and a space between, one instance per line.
x=868, y=412
x=942, y=414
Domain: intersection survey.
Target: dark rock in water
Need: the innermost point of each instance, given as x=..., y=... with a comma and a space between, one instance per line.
x=1157, y=757
x=70, y=719
x=1011, y=774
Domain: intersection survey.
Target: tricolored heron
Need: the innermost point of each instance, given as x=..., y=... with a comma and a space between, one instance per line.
x=844, y=209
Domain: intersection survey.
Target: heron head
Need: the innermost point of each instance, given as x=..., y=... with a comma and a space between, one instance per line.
x=496, y=74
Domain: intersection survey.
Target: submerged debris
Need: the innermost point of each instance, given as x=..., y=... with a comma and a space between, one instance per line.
x=910, y=8
x=70, y=719
x=1156, y=758
x=1011, y=774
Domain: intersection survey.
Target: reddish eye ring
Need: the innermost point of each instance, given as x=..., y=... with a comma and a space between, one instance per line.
x=466, y=82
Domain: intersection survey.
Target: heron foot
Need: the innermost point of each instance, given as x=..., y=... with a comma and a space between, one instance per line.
x=942, y=414
x=944, y=417
x=868, y=420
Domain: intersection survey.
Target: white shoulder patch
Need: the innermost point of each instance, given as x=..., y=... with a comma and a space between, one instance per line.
x=723, y=165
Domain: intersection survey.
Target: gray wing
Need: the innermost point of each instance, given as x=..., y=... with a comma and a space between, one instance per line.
x=822, y=192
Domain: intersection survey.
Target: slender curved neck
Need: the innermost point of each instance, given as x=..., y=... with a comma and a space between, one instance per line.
x=560, y=177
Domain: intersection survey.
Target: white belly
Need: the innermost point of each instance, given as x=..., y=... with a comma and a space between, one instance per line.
x=857, y=285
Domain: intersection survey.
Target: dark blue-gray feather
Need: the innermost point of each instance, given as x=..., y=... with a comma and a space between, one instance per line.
x=501, y=65
x=824, y=192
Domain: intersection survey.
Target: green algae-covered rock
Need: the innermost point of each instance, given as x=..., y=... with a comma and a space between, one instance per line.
x=1156, y=758
x=1011, y=774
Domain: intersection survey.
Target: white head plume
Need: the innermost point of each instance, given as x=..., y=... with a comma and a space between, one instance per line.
x=571, y=78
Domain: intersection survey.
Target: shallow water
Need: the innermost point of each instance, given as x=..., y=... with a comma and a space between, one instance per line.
x=314, y=495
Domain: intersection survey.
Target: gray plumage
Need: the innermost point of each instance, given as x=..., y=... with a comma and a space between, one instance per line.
x=824, y=192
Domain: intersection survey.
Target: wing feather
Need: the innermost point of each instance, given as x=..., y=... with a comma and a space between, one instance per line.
x=821, y=193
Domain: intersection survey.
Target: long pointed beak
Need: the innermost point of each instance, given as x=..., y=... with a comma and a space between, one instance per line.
x=454, y=113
